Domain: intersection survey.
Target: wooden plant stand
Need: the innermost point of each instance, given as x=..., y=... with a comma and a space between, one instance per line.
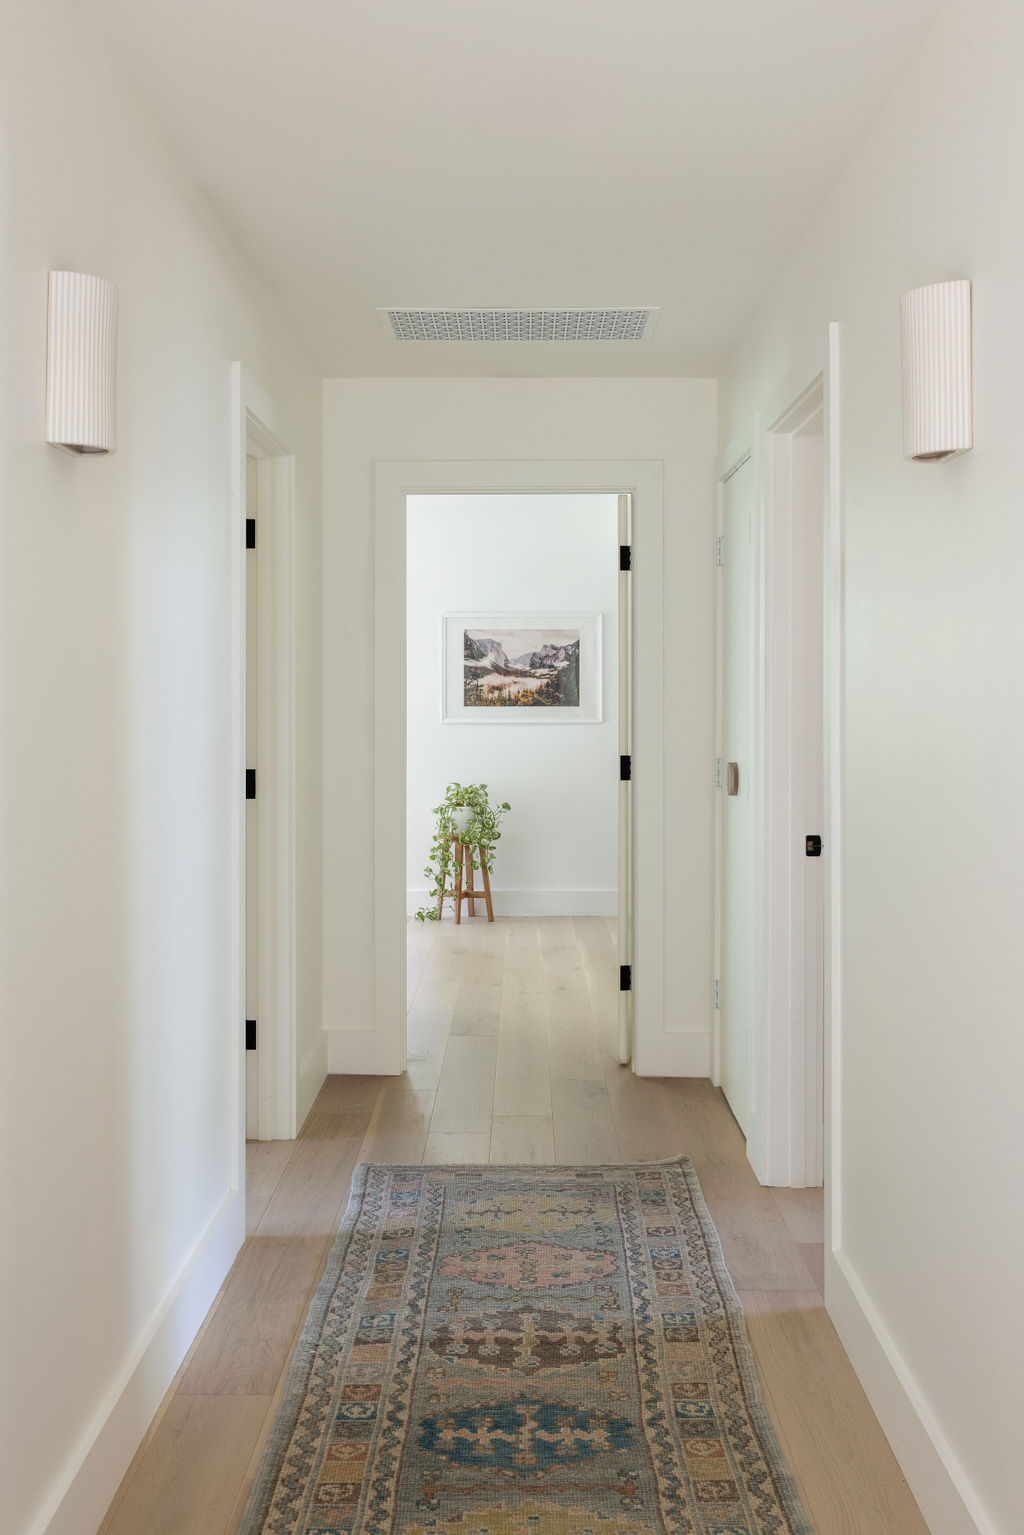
x=464, y=859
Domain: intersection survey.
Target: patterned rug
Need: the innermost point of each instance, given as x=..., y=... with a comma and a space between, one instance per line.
x=524, y=1351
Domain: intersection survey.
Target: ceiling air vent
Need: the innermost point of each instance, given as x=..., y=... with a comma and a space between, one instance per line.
x=518, y=324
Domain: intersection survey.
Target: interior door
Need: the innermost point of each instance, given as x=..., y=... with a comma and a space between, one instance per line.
x=736, y=979
x=625, y=679
x=808, y=576
x=251, y=822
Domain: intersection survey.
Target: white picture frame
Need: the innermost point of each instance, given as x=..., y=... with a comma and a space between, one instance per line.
x=499, y=672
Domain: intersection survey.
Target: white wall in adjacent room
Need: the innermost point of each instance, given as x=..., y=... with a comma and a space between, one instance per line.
x=117, y=1216
x=931, y=1052
x=558, y=853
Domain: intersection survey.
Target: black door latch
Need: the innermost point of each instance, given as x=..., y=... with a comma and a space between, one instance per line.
x=813, y=846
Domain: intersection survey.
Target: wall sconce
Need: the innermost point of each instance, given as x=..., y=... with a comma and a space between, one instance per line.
x=937, y=408
x=81, y=363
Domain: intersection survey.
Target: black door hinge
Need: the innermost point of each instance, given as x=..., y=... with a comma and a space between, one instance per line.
x=250, y=1033
x=250, y=783
x=625, y=557
x=813, y=846
x=625, y=977
x=250, y=532
x=625, y=769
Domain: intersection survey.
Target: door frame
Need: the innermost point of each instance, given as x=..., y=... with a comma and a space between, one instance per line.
x=656, y=1051
x=259, y=431
x=789, y=1145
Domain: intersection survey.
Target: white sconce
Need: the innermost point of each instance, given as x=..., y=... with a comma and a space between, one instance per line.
x=937, y=408
x=81, y=363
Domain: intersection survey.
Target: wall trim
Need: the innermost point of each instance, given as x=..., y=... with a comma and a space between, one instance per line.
x=360, y=1053
x=86, y=1486
x=531, y=903
x=355, y=1052
x=947, y=1499
x=310, y=1078
x=682, y=1054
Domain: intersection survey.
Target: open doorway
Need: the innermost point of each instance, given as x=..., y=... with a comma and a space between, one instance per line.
x=657, y=1045
x=514, y=680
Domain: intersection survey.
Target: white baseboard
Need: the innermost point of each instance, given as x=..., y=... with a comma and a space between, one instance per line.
x=310, y=1078
x=948, y=1501
x=355, y=1052
x=85, y=1488
x=359, y=1053
x=533, y=903
x=675, y=1055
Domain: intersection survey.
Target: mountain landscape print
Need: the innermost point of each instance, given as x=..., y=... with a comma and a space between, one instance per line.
x=521, y=668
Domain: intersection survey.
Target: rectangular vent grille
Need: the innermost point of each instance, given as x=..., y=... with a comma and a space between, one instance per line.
x=517, y=324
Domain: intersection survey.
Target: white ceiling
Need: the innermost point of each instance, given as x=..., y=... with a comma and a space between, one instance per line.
x=539, y=153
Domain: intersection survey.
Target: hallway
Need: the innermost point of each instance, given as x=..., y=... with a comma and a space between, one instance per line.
x=508, y=1062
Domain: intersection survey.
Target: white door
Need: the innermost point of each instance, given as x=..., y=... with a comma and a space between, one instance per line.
x=808, y=661
x=736, y=979
x=251, y=823
x=625, y=783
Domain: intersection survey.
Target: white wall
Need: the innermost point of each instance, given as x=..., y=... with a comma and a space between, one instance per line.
x=558, y=852
x=116, y=1214
x=931, y=1054
x=366, y=420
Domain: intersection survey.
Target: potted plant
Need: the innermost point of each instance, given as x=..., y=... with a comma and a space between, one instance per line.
x=465, y=813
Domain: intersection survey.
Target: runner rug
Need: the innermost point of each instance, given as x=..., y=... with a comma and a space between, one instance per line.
x=524, y=1351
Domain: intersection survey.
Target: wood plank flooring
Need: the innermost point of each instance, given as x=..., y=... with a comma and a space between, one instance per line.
x=512, y=1029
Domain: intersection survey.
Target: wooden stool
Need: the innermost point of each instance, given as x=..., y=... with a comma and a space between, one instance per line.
x=464, y=857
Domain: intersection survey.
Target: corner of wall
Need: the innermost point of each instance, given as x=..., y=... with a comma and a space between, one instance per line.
x=935, y=1477
x=86, y=1486
x=310, y=1076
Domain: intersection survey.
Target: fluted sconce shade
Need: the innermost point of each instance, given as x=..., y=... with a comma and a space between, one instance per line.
x=81, y=363
x=937, y=408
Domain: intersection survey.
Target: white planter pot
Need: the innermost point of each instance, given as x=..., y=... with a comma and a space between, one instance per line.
x=461, y=818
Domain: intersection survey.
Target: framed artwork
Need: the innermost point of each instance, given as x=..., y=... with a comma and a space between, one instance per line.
x=521, y=668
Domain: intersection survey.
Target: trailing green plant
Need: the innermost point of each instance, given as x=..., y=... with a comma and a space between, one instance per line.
x=480, y=834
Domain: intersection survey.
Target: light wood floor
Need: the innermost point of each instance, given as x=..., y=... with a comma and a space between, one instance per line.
x=511, y=1028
